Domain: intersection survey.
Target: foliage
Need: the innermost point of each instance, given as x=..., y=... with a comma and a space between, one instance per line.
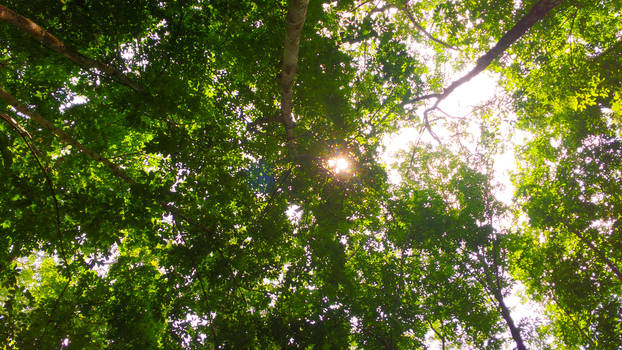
x=222, y=238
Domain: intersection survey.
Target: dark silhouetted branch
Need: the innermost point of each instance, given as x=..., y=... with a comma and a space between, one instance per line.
x=537, y=12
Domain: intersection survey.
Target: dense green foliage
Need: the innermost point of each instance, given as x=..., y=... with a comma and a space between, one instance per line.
x=224, y=239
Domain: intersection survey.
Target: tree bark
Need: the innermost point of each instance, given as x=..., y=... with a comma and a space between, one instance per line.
x=296, y=15
x=49, y=40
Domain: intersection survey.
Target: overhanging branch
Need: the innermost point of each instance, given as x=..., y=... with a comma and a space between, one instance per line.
x=53, y=43
x=115, y=169
x=46, y=124
x=537, y=12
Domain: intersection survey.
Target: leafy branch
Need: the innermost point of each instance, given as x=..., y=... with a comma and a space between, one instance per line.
x=53, y=43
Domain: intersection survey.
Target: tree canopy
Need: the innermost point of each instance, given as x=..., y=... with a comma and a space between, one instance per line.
x=208, y=174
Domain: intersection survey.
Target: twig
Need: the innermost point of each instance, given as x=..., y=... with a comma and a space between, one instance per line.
x=423, y=30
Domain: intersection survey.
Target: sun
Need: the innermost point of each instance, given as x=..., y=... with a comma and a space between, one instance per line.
x=339, y=165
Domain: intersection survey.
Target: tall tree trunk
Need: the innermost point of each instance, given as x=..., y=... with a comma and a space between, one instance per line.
x=52, y=42
x=505, y=312
x=295, y=20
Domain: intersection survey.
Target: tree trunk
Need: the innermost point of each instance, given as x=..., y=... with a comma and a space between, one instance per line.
x=505, y=312
x=296, y=15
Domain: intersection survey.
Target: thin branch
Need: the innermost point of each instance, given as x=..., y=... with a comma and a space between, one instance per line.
x=414, y=150
x=359, y=5
x=440, y=335
x=426, y=122
x=425, y=97
x=603, y=258
x=296, y=15
x=46, y=124
x=54, y=308
x=569, y=38
x=53, y=43
x=28, y=140
x=126, y=155
x=423, y=30
x=576, y=324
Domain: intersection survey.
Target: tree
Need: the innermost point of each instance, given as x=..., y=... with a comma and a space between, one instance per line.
x=168, y=175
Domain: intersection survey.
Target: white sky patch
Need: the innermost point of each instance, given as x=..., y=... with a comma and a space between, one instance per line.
x=73, y=100
x=459, y=106
x=294, y=213
x=102, y=267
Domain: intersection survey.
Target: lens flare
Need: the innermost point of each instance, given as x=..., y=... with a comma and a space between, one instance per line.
x=339, y=165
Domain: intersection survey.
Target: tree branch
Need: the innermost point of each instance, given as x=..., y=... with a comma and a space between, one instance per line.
x=438, y=334
x=115, y=169
x=28, y=140
x=296, y=15
x=53, y=43
x=537, y=12
x=46, y=124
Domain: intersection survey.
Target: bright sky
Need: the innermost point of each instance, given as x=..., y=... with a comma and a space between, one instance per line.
x=461, y=103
